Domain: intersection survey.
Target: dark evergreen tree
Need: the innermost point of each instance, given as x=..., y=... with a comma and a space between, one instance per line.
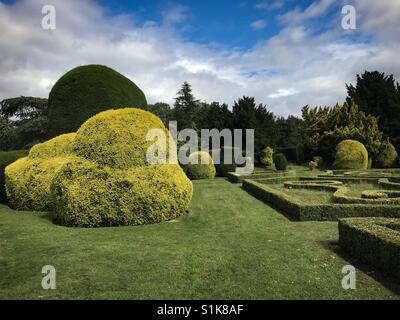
x=161, y=110
x=379, y=95
x=185, y=107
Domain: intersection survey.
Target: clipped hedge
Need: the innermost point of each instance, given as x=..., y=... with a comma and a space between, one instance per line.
x=28, y=180
x=351, y=154
x=6, y=158
x=87, y=90
x=91, y=179
x=302, y=211
x=117, y=138
x=375, y=241
x=89, y=195
x=200, y=166
x=237, y=178
x=387, y=156
x=280, y=162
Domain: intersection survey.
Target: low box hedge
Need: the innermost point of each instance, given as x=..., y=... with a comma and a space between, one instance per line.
x=237, y=178
x=299, y=210
x=375, y=241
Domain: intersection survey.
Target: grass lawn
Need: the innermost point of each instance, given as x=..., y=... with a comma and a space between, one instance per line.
x=230, y=246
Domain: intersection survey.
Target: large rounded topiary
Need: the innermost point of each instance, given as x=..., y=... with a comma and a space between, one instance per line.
x=28, y=179
x=103, y=186
x=351, y=154
x=200, y=166
x=387, y=157
x=85, y=91
x=280, y=162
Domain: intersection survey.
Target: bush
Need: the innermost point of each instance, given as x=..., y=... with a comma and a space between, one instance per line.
x=280, y=162
x=351, y=154
x=86, y=90
x=375, y=241
x=7, y=158
x=117, y=138
x=312, y=165
x=318, y=160
x=224, y=167
x=387, y=156
x=28, y=180
x=89, y=195
x=91, y=180
x=7, y=135
x=266, y=156
x=200, y=166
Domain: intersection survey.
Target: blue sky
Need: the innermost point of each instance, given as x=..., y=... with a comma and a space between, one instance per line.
x=285, y=53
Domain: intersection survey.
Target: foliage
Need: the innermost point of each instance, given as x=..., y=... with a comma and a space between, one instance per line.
x=6, y=158
x=387, y=156
x=99, y=176
x=267, y=156
x=313, y=165
x=23, y=108
x=7, y=135
x=379, y=95
x=326, y=127
x=318, y=160
x=280, y=162
x=86, y=90
x=161, y=110
x=28, y=180
x=117, y=138
x=375, y=241
x=351, y=154
x=226, y=165
x=185, y=108
x=289, y=132
x=89, y=195
x=200, y=166
x=30, y=132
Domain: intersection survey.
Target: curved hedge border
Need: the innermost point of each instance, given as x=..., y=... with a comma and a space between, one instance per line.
x=237, y=178
x=303, y=211
x=375, y=241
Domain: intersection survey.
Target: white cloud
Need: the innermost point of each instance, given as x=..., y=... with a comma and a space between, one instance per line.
x=175, y=14
x=268, y=5
x=317, y=8
x=258, y=24
x=292, y=69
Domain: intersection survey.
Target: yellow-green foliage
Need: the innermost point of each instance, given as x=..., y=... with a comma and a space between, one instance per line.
x=266, y=156
x=28, y=182
x=100, y=176
x=58, y=146
x=200, y=166
x=117, y=138
x=351, y=154
x=89, y=195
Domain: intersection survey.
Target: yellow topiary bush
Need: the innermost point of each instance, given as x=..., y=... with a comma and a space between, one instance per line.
x=200, y=166
x=100, y=176
x=28, y=180
x=89, y=195
x=351, y=154
x=117, y=138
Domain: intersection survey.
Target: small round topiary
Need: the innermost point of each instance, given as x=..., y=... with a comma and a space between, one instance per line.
x=351, y=154
x=266, y=156
x=387, y=157
x=280, y=162
x=200, y=166
x=117, y=138
x=85, y=91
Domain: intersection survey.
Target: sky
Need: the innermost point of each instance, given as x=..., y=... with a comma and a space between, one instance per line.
x=285, y=53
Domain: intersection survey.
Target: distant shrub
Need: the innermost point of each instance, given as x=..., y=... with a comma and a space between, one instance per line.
x=312, y=165
x=266, y=156
x=387, y=156
x=318, y=160
x=280, y=162
x=227, y=161
x=351, y=154
x=6, y=158
x=85, y=91
x=200, y=166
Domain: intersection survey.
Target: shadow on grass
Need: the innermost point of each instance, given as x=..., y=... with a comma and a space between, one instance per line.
x=386, y=281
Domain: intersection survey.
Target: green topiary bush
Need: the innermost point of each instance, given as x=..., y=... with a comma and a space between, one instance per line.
x=280, y=162
x=351, y=154
x=200, y=166
x=86, y=90
x=266, y=156
x=6, y=158
x=387, y=156
x=91, y=179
